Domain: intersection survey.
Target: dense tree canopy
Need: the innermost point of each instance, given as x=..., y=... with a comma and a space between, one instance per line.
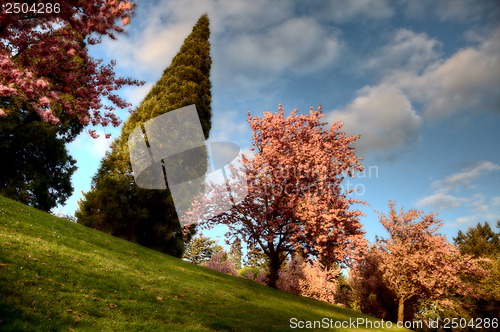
x=47, y=76
x=45, y=64
x=294, y=201
x=417, y=263
x=115, y=203
x=36, y=168
x=481, y=241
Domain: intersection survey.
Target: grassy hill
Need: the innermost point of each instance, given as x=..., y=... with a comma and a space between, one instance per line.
x=56, y=275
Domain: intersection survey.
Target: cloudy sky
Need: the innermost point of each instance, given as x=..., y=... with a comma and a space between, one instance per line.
x=418, y=80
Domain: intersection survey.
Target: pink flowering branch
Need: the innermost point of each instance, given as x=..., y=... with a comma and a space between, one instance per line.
x=44, y=61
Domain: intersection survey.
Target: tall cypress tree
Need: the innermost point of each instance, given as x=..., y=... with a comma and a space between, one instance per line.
x=115, y=204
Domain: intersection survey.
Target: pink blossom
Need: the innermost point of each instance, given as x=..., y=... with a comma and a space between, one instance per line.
x=44, y=101
x=41, y=83
x=292, y=192
x=219, y=262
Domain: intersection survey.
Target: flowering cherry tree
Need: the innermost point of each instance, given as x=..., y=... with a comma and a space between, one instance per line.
x=294, y=200
x=416, y=262
x=220, y=262
x=45, y=64
x=309, y=279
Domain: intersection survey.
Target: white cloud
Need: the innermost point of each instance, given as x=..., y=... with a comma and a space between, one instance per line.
x=251, y=41
x=135, y=94
x=467, y=219
x=407, y=51
x=495, y=202
x=441, y=201
x=465, y=177
x=476, y=205
x=90, y=147
x=412, y=73
x=384, y=118
x=468, y=81
x=228, y=125
x=344, y=11
x=152, y=50
x=298, y=45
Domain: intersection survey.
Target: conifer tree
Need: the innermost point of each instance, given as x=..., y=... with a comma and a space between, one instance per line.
x=115, y=204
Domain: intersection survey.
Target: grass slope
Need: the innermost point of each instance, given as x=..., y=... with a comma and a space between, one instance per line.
x=56, y=275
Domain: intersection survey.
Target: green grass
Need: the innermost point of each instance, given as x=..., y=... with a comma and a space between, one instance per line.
x=56, y=275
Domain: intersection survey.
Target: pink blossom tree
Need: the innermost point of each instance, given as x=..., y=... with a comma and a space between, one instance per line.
x=294, y=200
x=309, y=279
x=45, y=64
x=220, y=262
x=416, y=262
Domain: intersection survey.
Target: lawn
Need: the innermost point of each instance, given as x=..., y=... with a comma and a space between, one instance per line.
x=56, y=275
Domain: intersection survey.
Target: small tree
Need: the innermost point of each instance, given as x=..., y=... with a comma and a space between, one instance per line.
x=295, y=202
x=219, y=262
x=309, y=279
x=416, y=262
x=236, y=253
x=200, y=249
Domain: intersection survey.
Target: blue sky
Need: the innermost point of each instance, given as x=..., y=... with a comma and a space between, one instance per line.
x=419, y=80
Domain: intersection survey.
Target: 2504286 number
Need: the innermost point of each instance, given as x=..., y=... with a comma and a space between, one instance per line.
x=476, y=323
x=34, y=8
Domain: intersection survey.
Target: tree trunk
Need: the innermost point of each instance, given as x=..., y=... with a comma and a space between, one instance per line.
x=274, y=267
x=401, y=310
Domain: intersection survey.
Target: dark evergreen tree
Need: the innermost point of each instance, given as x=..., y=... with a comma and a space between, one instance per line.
x=115, y=204
x=36, y=168
x=481, y=241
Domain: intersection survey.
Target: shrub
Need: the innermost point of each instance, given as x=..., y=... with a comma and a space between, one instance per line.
x=219, y=262
x=310, y=279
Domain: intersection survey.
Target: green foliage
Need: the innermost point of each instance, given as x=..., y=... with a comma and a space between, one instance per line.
x=236, y=253
x=60, y=276
x=249, y=269
x=36, y=168
x=479, y=241
x=257, y=259
x=115, y=204
x=200, y=249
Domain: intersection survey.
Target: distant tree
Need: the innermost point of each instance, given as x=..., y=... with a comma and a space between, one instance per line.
x=115, y=204
x=45, y=62
x=36, y=168
x=309, y=279
x=220, y=262
x=482, y=242
x=256, y=259
x=200, y=249
x=479, y=241
x=295, y=202
x=417, y=263
x=236, y=253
